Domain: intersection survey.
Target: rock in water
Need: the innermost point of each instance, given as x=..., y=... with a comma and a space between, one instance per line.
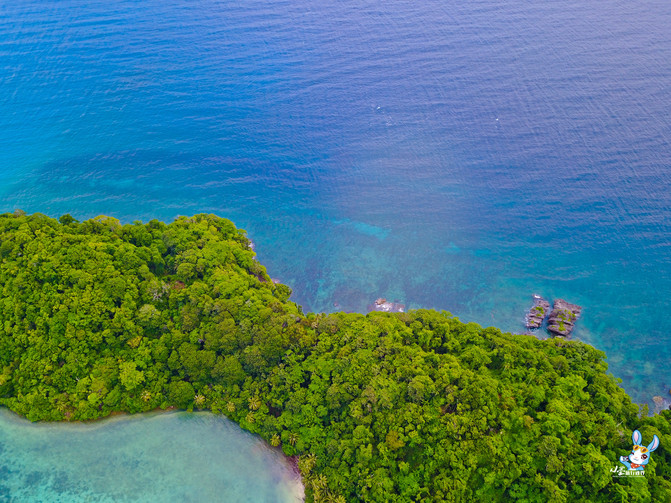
x=389, y=307
x=660, y=404
x=538, y=312
x=563, y=317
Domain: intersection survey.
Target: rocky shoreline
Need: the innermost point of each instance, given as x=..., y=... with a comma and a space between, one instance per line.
x=384, y=305
x=537, y=313
x=562, y=319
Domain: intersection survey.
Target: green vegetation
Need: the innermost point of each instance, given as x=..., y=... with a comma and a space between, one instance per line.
x=97, y=317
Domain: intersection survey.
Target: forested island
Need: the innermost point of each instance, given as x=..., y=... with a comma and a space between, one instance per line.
x=97, y=317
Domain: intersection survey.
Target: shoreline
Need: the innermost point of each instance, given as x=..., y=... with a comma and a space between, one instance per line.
x=295, y=486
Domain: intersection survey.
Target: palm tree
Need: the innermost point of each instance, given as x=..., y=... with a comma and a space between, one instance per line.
x=275, y=440
x=230, y=407
x=307, y=463
x=320, y=488
x=320, y=481
x=62, y=406
x=254, y=403
x=293, y=438
x=249, y=418
x=199, y=400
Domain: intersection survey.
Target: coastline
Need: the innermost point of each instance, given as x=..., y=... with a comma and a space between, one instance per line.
x=230, y=339
x=284, y=471
x=298, y=486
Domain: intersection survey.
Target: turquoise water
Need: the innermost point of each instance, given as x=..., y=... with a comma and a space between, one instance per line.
x=177, y=457
x=455, y=155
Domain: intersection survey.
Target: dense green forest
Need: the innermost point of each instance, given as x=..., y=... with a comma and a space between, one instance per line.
x=98, y=317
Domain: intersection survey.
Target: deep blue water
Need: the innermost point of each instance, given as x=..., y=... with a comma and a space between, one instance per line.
x=455, y=155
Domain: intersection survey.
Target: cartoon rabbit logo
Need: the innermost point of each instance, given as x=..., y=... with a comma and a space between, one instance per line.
x=639, y=455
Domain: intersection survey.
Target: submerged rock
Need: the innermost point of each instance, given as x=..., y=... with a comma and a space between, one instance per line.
x=563, y=317
x=538, y=312
x=661, y=404
x=385, y=306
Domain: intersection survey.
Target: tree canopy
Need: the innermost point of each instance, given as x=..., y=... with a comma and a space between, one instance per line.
x=98, y=317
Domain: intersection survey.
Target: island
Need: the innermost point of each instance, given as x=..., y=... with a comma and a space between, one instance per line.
x=97, y=317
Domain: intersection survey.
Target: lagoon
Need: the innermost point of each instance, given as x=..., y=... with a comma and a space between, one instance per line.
x=170, y=456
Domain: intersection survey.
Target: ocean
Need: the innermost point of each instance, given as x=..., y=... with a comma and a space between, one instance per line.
x=460, y=156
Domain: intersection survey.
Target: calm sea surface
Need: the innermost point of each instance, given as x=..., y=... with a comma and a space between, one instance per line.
x=177, y=457
x=454, y=155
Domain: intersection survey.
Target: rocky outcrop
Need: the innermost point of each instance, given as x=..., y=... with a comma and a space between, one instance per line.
x=563, y=317
x=388, y=307
x=660, y=404
x=538, y=312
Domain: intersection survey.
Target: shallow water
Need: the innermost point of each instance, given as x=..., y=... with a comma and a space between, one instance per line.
x=143, y=458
